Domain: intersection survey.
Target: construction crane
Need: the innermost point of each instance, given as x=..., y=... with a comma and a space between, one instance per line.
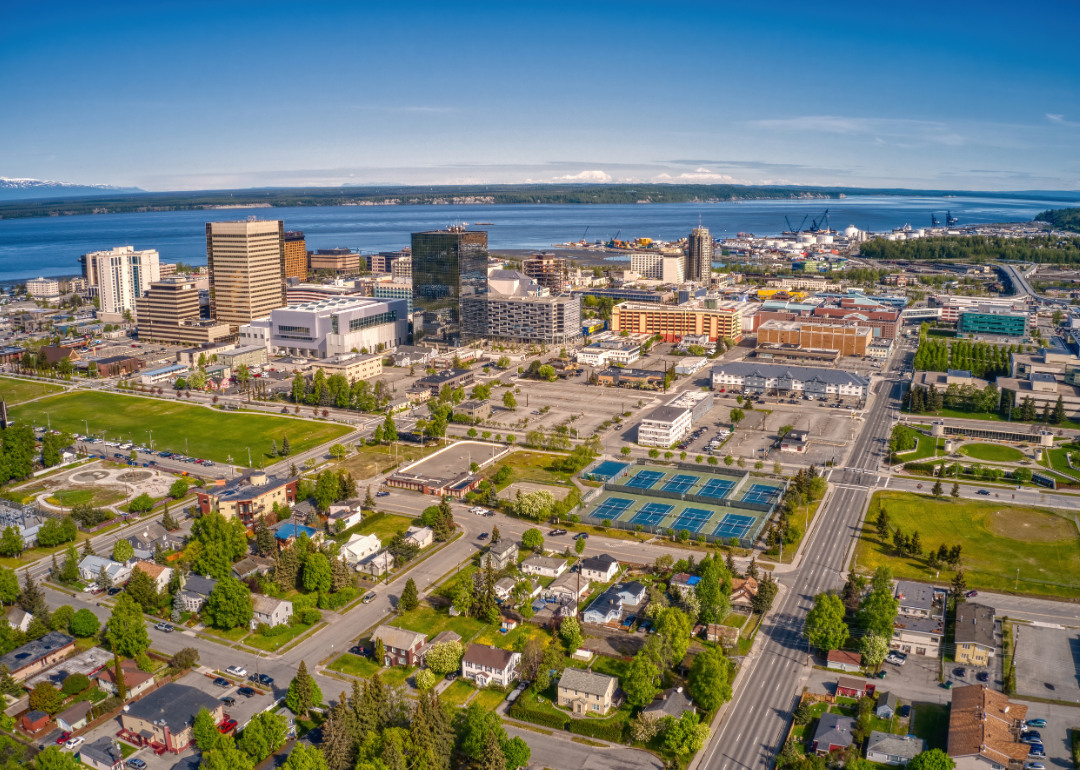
x=934, y=221
x=586, y=233
x=791, y=229
x=824, y=218
x=950, y=220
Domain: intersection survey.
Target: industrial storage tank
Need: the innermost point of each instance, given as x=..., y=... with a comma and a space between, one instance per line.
x=851, y=231
x=806, y=237
x=824, y=239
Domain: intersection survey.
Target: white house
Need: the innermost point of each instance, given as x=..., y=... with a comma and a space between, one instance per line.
x=489, y=665
x=360, y=547
x=543, y=566
x=606, y=609
x=159, y=574
x=631, y=593
x=90, y=568
x=348, y=516
x=504, y=587
x=378, y=564
x=422, y=537
x=602, y=568
x=271, y=611
x=19, y=618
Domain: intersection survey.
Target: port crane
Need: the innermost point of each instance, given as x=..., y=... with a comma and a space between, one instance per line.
x=814, y=227
x=791, y=229
x=934, y=221
x=950, y=220
x=586, y=233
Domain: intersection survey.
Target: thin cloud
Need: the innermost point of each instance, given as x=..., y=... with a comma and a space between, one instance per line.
x=1060, y=120
x=877, y=128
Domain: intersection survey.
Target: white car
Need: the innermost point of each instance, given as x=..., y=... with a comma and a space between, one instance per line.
x=479, y=511
x=72, y=743
x=236, y=671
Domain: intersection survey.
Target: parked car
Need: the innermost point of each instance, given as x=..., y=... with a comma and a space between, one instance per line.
x=1037, y=752
x=482, y=536
x=236, y=671
x=73, y=743
x=222, y=682
x=1035, y=723
x=452, y=676
x=960, y=672
x=165, y=627
x=136, y=764
x=226, y=726
x=905, y=711
x=63, y=738
x=247, y=692
x=261, y=679
x=983, y=676
x=229, y=700
x=971, y=594
x=369, y=598
x=382, y=493
x=115, y=590
x=556, y=532
x=1031, y=740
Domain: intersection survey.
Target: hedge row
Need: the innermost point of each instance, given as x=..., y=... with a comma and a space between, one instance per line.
x=606, y=731
x=537, y=717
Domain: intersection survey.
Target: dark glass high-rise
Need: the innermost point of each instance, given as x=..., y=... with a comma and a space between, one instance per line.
x=449, y=269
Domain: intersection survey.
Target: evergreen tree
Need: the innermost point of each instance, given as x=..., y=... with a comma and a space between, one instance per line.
x=937, y=490
x=287, y=569
x=88, y=550
x=264, y=538
x=1059, y=411
x=32, y=598
x=304, y=692
x=104, y=581
x=273, y=448
x=410, y=597
x=432, y=733
x=167, y=521
x=338, y=740
x=495, y=535
x=286, y=450
x=493, y=758
x=121, y=685
x=69, y=572
x=959, y=586
x=369, y=501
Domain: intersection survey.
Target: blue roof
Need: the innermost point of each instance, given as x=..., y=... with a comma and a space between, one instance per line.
x=289, y=529
x=693, y=581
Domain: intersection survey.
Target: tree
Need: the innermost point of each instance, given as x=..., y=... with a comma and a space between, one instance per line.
x=710, y=679
x=143, y=589
x=955, y=490
x=645, y=726
x=263, y=735
x=225, y=756
x=477, y=723
x=127, y=635
x=327, y=490
x=959, y=586
x=825, y=627
x=517, y=753
x=380, y=651
x=571, y=634
x=54, y=759
x=686, y=735
x=493, y=757
x=763, y=600
x=45, y=697
x=178, y=489
x=874, y=648
x=533, y=539
x=579, y=546
x=286, y=450
x=713, y=590
x=304, y=692
x=123, y=551
x=410, y=597
x=677, y=627
x=641, y=682
x=84, y=623
x=204, y=730
x=509, y=402
x=535, y=505
x=305, y=758
x=223, y=542
x=229, y=604
x=9, y=582
x=317, y=574
x=167, y=521
x=11, y=542
x=934, y=759
x=737, y=415
x=444, y=657
x=937, y=490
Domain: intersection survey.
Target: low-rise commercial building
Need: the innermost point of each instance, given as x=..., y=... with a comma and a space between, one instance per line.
x=631, y=378
x=454, y=378
x=331, y=327
x=988, y=320
x=1043, y=390
x=607, y=352
x=848, y=339
x=353, y=366
x=35, y=656
x=665, y=425
x=170, y=373
x=779, y=378
x=164, y=719
x=975, y=634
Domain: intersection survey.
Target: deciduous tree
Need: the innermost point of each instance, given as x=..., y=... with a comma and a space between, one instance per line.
x=825, y=627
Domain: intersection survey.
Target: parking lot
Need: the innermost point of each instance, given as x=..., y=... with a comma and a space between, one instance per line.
x=1047, y=662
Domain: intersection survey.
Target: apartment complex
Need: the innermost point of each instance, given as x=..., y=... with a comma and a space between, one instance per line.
x=549, y=271
x=295, y=255
x=975, y=634
x=659, y=267
x=384, y=261
x=43, y=288
x=248, y=496
x=353, y=366
x=340, y=261
x=984, y=730
x=401, y=270
x=919, y=625
x=169, y=312
x=247, y=269
x=848, y=340
x=672, y=322
x=122, y=275
x=780, y=378
x=554, y=320
x=699, y=255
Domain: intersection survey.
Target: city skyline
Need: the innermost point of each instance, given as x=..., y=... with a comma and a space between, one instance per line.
x=943, y=97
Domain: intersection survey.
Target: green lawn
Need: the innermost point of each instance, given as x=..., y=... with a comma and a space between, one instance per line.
x=15, y=391
x=931, y=723
x=457, y=693
x=736, y=620
x=489, y=699
x=1060, y=463
x=96, y=496
x=126, y=749
x=210, y=433
x=996, y=539
x=354, y=665
x=530, y=466
x=383, y=525
x=426, y=620
x=927, y=447
x=610, y=666
x=511, y=639
x=992, y=452
x=235, y=635
x=397, y=675
x=272, y=643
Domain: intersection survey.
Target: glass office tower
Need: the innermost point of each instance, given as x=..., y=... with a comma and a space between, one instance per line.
x=449, y=281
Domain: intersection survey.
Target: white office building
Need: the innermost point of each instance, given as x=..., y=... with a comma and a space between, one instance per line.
x=608, y=352
x=665, y=426
x=659, y=267
x=781, y=379
x=122, y=275
x=331, y=327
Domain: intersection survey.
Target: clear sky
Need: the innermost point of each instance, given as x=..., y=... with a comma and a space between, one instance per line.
x=199, y=95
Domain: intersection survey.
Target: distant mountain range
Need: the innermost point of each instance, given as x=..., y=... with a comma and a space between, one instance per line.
x=23, y=189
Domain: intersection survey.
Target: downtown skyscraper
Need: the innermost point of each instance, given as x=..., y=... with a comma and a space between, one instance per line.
x=449, y=278
x=699, y=255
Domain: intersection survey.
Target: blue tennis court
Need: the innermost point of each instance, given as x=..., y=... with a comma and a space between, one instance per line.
x=734, y=525
x=645, y=479
x=606, y=470
x=652, y=514
x=761, y=493
x=680, y=483
x=716, y=488
x=692, y=519
x=612, y=508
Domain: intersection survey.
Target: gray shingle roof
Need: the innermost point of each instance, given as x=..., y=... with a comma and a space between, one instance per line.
x=975, y=624
x=906, y=746
x=834, y=730
x=801, y=373
x=586, y=681
x=671, y=702
x=174, y=703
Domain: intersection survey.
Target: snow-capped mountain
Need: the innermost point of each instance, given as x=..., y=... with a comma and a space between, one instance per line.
x=15, y=189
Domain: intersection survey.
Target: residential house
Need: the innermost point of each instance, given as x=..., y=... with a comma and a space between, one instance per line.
x=163, y=718
x=504, y=587
x=919, y=626
x=402, y=646
x=489, y=665
x=844, y=660
x=159, y=574
x=135, y=681
x=888, y=749
x=887, y=705
x=917, y=600
x=90, y=568
x=846, y=687
x=149, y=536
x=102, y=754
x=726, y=636
x=19, y=618
x=35, y=721
x=344, y=516
x=37, y=655
x=632, y=593
x=358, y=548
x=543, y=566
x=501, y=554
x=605, y=609
x=974, y=634
x=379, y=564
x=196, y=591
x=743, y=591
x=568, y=588
x=250, y=566
x=421, y=537
x=271, y=611
x=74, y=717
x=683, y=583
x=601, y=569
x=833, y=733
x=586, y=692
x=672, y=702
x=983, y=729
x=288, y=531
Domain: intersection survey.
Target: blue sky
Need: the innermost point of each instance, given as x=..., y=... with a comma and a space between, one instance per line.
x=195, y=95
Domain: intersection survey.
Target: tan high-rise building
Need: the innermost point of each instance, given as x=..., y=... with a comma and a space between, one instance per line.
x=699, y=255
x=247, y=269
x=295, y=255
x=169, y=312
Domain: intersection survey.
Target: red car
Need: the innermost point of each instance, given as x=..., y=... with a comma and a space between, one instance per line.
x=226, y=726
x=63, y=738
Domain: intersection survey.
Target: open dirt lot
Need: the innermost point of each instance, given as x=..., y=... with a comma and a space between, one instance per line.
x=589, y=404
x=525, y=487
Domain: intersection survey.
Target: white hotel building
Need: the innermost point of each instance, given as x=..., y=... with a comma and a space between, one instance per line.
x=607, y=352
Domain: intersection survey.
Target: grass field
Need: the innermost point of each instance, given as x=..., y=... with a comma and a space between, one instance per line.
x=369, y=460
x=530, y=466
x=211, y=434
x=1060, y=463
x=992, y=452
x=353, y=664
x=98, y=496
x=996, y=539
x=931, y=723
x=382, y=525
x=927, y=447
x=15, y=391
x=457, y=693
x=429, y=621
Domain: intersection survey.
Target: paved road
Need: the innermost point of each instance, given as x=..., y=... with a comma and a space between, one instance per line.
x=757, y=718
x=560, y=752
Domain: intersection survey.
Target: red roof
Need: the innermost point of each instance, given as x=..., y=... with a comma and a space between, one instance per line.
x=845, y=657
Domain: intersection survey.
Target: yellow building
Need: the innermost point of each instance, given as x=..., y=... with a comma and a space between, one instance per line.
x=672, y=322
x=975, y=637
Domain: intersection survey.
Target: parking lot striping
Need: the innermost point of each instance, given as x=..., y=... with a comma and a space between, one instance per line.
x=644, y=479
x=680, y=483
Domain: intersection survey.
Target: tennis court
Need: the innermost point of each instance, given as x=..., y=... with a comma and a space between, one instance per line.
x=651, y=514
x=734, y=525
x=606, y=470
x=680, y=483
x=612, y=508
x=761, y=493
x=692, y=520
x=717, y=488
x=644, y=479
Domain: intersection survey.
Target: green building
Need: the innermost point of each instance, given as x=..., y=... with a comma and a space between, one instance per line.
x=988, y=321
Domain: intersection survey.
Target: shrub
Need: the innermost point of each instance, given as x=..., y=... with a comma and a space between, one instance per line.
x=337, y=599
x=186, y=658
x=142, y=660
x=75, y=684
x=545, y=718
x=612, y=730
x=309, y=615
